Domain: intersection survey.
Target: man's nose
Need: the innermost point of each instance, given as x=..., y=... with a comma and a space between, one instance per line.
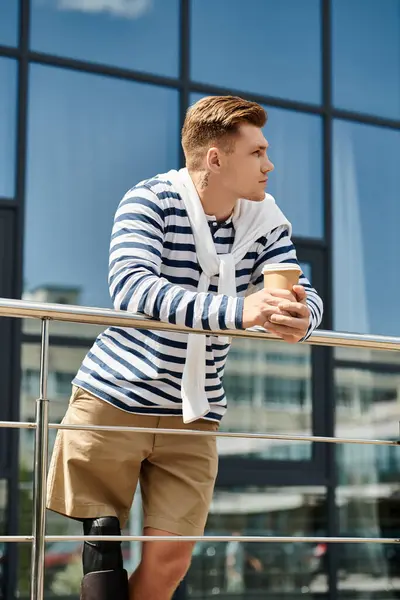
x=268, y=166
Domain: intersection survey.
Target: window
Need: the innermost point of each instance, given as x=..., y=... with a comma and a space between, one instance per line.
x=63, y=383
x=8, y=122
x=259, y=47
x=274, y=388
x=83, y=155
x=367, y=496
x=3, y=518
x=30, y=382
x=247, y=570
x=267, y=396
x=366, y=214
x=239, y=389
x=371, y=356
x=296, y=183
x=132, y=34
x=63, y=564
x=9, y=12
x=286, y=391
x=366, y=56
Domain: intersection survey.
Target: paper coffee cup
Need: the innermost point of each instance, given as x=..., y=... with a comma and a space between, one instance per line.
x=281, y=276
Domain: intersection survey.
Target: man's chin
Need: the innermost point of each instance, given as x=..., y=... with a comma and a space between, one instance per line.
x=256, y=197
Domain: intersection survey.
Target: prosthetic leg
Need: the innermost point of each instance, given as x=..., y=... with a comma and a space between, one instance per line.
x=104, y=575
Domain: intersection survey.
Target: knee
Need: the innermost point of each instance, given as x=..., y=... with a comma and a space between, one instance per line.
x=173, y=568
x=100, y=555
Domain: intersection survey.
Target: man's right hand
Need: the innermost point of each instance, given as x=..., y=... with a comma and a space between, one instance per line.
x=259, y=307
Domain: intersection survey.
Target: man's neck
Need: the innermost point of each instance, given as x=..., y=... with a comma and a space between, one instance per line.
x=215, y=200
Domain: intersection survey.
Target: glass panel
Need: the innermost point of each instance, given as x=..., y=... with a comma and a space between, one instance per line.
x=83, y=155
x=25, y=509
x=9, y=11
x=366, y=58
x=132, y=34
x=264, y=43
x=3, y=507
x=8, y=122
x=251, y=570
x=296, y=183
x=3, y=517
x=63, y=570
x=367, y=356
x=366, y=214
x=268, y=387
x=63, y=559
x=367, y=407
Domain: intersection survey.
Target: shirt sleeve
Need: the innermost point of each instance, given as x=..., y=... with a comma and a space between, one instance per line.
x=278, y=247
x=135, y=280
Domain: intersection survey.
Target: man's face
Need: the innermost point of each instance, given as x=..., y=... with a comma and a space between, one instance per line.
x=244, y=171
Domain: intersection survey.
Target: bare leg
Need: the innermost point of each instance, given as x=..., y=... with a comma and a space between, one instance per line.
x=163, y=566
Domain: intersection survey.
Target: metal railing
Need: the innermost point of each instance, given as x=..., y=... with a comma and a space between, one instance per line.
x=86, y=315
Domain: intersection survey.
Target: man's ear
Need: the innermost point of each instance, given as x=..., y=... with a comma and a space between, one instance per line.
x=213, y=160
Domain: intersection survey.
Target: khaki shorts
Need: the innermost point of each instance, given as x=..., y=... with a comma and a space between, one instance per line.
x=95, y=473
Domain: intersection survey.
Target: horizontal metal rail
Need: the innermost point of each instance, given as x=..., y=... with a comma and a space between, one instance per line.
x=99, y=316
x=96, y=316
x=221, y=434
x=204, y=538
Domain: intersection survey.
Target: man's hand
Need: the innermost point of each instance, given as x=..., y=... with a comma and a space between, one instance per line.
x=259, y=307
x=291, y=323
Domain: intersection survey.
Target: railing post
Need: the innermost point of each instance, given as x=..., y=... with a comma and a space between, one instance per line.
x=40, y=472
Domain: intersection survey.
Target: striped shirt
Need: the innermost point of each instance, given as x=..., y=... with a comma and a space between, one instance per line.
x=154, y=270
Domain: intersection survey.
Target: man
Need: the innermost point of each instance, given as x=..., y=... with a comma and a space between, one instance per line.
x=235, y=565
x=179, y=241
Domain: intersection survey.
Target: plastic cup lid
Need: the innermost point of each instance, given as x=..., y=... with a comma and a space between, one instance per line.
x=281, y=267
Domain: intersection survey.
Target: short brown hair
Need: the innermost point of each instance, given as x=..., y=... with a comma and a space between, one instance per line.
x=215, y=119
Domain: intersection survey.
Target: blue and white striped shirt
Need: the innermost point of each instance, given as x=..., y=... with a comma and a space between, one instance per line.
x=154, y=270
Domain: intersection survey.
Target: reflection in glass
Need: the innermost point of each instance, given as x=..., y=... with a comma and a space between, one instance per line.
x=367, y=356
x=8, y=123
x=3, y=506
x=3, y=518
x=296, y=183
x=63, y=567
x=296, y=150
x=63, y=570
x=9, y=11
x=366, y=214
x=264, y=44
x=83, y=155
x=366, y=58
x=132, y=34
x=268, y=388
x=240, y=569
x=369, y=490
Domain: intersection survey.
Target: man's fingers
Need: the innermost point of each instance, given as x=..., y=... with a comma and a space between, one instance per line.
x=269, y=310
x=289, y=323
x=300, y=292
x=295, y=308
x=274, y=301
x=283, y=294
x=283, y=329
x=276, y=330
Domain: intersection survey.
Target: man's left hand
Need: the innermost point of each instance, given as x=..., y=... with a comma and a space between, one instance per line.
x=294, y=327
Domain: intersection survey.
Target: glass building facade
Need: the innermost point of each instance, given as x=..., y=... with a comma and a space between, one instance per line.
x=93, y=94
